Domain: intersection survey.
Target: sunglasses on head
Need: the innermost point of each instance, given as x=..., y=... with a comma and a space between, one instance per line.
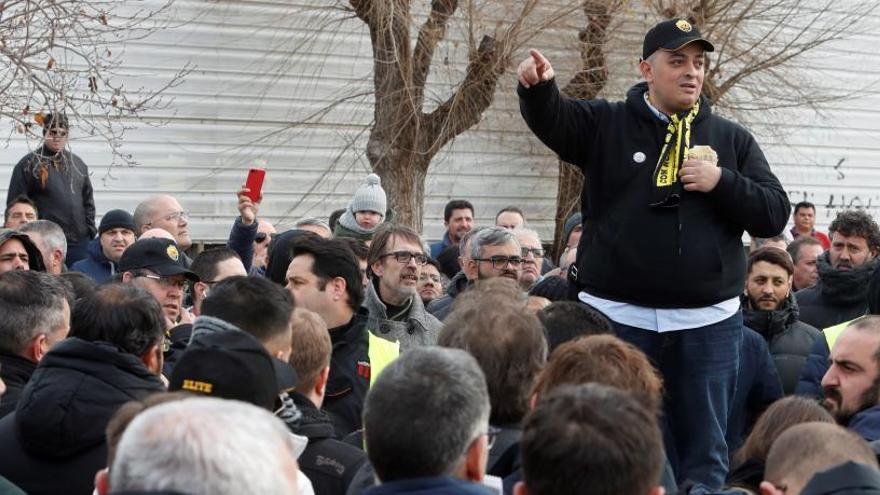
x=261, y=237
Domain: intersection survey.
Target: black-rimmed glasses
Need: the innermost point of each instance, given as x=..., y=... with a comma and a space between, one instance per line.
x=501, y=262
x=405, y=256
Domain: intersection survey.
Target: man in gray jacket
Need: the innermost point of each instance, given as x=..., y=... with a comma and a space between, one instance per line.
x=397, y=313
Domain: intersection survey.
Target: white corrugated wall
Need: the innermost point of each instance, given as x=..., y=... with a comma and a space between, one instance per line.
x=263, y=66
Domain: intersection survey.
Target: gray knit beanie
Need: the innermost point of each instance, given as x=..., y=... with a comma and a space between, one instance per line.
x=574, y=220
x=370, y=196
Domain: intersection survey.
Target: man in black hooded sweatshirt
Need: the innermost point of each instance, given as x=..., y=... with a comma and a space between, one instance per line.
x=54, y=442
x=844, y=272
x=670, y=189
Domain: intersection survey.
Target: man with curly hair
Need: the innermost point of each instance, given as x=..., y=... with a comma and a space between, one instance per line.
x=841, y=293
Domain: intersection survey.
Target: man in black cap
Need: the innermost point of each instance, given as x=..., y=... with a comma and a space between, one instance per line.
x=115, y=234
x=670, y=189
x=157, y=266
x=58, y=182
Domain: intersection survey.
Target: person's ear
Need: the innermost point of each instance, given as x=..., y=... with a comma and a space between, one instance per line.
x=377, y=268
x=475, y=459
x=321, y=382
x=37, y=348
x=127, y=277
x=102, y=481
x=767, y=488
x=520, y=488
x=58, y=257
x=339, y=287
x=646, y=70
x=153, y=358
x=201, y=289
x=471, y=270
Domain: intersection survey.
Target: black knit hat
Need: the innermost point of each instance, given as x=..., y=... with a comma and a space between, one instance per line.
x=230, y=365
x=116, y=219
x=672, y=35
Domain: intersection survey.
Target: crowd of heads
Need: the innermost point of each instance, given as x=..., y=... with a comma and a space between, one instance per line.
x=519, y=382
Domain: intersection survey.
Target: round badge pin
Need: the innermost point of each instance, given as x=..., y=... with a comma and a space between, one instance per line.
x=639, y=157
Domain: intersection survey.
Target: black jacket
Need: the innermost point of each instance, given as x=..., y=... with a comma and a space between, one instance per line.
x=15, y=371
x=95, y=265
x=66, y=198
x=790, y=340
x=687, y=256
x=54, y=442
x=328, y=463
x=349, y=377
x=849, y=478
x=837, y=297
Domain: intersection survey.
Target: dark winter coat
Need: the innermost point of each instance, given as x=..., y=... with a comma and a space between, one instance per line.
x=328, y=463
x=686, y=256
x=429, y=486
x=66, y=196
x=95, y=265
x=241, y=240
x=838, y=296
x=790, y=340
x=15, y=371
x=866, y=424
x=757, y=386
x=54, y=442
x=442, y=306
x=850, y=478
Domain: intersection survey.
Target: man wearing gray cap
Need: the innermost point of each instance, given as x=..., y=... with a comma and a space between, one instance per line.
x=670, y=188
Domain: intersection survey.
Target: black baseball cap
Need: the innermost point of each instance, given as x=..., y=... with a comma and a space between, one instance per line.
x=158, y=255
x=231, y=365
x=672, y=35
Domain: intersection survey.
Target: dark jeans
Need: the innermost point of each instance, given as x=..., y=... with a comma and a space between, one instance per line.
x=699, y=368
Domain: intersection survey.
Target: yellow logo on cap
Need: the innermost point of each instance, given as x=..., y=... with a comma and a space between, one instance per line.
x=684, y=25
x=197, y=386
x=172, y=252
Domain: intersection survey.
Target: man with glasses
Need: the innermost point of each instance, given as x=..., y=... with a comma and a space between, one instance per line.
x=157, y=266
x=430, y=285
x=58, y=183
x=164, y=212
x=494, y=252
x=533, y=257
x=396, y=311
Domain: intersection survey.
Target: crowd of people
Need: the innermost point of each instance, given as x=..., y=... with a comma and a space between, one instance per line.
x=651, y=355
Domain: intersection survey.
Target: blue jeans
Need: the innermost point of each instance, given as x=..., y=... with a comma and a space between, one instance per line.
x=699, y=368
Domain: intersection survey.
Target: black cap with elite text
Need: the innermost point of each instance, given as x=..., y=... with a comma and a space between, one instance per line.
x=672, y=35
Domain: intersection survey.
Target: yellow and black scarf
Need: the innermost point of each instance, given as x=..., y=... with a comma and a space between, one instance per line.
x=666, y=186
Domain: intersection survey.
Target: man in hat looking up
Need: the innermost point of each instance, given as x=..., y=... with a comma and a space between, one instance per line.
x=670, y=189
x=58, y=183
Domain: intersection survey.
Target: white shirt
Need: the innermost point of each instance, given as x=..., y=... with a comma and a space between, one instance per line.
x=665, y=319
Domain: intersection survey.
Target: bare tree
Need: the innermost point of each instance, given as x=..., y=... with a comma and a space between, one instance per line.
x=405, y=136
x=66, y=55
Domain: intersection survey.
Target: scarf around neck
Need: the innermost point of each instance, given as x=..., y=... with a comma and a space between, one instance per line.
x=676, y=145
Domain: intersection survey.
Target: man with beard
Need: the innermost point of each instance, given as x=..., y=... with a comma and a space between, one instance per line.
x=396, y=311
x=769, y=307
x=851, y=385
x=844, y=272
x=494, y=252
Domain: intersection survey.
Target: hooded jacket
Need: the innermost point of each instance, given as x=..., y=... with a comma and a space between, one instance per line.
x=790, y=340
x=54, y=442
x=418, y=328
x=838, y=296
x=65, y=198
x=689, y=256
x=329, y=463
x=849, y=478
x=15, y=371
x=35, y=258
x=442, y=306
x=95, y=265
